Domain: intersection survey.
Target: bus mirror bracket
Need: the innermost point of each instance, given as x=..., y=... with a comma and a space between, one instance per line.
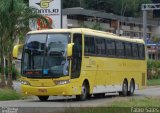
x=69, y=49
x=15, y=51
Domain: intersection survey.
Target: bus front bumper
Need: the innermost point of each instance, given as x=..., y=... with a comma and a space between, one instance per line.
x=59, y=90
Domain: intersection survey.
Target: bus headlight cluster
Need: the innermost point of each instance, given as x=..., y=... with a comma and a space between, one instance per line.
x=61, y=82
x=25, y=82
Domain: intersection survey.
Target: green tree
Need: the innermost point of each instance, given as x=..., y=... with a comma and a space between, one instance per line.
x=2, y=34
x=14, y=22
x=156, y=40
x=121, y=7
x=102, y=5
x=71, y=3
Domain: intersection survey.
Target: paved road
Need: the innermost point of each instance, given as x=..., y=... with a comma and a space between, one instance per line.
x=57, y=103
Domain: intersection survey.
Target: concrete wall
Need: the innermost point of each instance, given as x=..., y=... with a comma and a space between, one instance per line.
x=64, y=22
x=75, y=23
x=136, y=28
x=155, y=31
x=125, y=27
x=72, y=23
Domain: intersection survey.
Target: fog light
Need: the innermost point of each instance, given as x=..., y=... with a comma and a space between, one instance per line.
x=25, y=82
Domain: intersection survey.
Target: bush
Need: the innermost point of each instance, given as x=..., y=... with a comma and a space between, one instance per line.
x=8, y=94
x=153, y=69
x=15, y=73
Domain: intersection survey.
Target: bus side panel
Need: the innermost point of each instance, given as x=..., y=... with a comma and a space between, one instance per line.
x=89, y=68
x=111, y=73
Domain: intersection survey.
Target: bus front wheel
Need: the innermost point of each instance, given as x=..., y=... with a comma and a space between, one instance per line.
x=43, y=98
x=84, y=92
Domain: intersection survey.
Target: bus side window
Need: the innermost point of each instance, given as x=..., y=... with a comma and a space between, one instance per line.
x=141, y=51
x=89, y=45
x=77, y=56
x=100, y=46
x=128, y=50
x=86, y=47
x=111, y=49
x=120, y=49
x=135, y=51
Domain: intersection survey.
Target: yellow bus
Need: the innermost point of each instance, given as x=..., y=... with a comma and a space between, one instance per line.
x=81, y=62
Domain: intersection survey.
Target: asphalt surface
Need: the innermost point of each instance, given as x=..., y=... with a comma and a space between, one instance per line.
x=60, y=104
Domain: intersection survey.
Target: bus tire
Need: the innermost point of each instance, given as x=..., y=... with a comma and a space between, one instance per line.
x=43, y=98
x=84, y=92
x=132, y=88
x=125, y=88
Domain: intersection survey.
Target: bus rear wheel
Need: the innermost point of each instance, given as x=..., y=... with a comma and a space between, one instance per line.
x=84, y=92
x=132, y=88
x=43, y=98
x=124, y=89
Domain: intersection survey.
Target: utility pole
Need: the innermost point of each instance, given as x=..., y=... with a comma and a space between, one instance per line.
x=145, y=26
x=80, y=3
x=145, y=8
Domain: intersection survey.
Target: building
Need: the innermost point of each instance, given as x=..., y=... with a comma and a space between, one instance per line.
x=124, y=26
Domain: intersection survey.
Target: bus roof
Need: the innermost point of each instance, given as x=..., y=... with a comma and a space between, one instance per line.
x=88, y=32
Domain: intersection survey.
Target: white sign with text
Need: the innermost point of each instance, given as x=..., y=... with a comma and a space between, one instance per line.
x=51, y=9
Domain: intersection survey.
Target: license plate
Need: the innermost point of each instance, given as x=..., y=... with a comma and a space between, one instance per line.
x=42, y=90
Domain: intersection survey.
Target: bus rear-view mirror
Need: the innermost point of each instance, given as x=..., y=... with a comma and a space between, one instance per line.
x=70, y=49
x=17, y=51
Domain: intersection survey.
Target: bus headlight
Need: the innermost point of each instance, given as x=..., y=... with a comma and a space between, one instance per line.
x=25, y=82
x=62, y=82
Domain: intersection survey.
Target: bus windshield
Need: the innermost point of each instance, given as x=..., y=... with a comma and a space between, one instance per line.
x=45, y=55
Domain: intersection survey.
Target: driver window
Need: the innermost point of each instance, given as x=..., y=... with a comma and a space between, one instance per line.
x=77, y=56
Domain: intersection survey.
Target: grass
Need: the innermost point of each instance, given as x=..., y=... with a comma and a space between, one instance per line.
x=124, y=105
x=8, y=94
x=98, y=110
x=134, y=102
x=153, y=82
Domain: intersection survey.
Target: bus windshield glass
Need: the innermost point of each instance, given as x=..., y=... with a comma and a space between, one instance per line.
x=45, y=55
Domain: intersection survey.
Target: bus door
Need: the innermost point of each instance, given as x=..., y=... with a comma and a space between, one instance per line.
x=77, y=56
